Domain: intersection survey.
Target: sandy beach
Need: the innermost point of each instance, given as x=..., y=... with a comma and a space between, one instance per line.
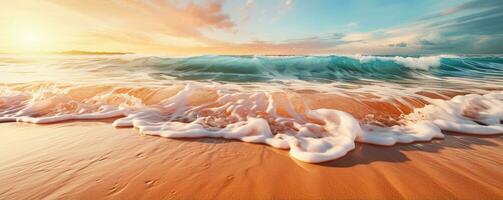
x=251, y=99
x=88, y=160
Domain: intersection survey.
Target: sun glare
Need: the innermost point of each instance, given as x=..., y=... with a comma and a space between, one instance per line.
x=29, y=38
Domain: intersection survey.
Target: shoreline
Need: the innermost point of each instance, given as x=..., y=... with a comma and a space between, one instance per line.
x=94, y=160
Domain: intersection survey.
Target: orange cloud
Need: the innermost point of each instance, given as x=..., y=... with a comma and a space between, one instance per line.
x=147, y=17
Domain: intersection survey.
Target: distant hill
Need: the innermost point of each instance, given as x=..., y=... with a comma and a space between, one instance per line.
x=71, y=52
x=77, y=52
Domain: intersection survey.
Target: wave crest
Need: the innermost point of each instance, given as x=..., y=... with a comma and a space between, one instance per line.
x=287, y=120
x=321, y=68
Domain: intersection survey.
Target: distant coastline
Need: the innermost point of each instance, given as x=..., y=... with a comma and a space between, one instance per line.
x=72, y=52
x=78, y=52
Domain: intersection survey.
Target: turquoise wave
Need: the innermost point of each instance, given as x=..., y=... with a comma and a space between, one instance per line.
x=322, y=68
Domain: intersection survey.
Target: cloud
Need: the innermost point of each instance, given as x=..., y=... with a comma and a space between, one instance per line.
x=477, y=4
x=352, y=25
x=142, y=19
x=321, y=44
x=401, y=44
x=176, y=26
x=209, y=14
x=426, y=43
x=288, y=2
x=475, y=23
x=471, y=28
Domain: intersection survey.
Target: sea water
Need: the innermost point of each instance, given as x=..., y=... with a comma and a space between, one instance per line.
x=315, y=106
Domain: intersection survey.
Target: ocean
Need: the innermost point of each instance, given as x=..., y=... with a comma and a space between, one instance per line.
x=315, y=106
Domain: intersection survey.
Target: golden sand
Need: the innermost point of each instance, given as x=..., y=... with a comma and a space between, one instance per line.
x=89, y=160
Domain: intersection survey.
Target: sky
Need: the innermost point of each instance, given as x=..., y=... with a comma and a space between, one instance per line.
x=181, y=27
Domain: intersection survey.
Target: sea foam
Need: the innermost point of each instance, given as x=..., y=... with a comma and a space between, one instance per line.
x=318, y=107
x=279, y=119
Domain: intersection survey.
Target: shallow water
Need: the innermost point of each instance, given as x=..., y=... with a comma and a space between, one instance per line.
x=316, y=106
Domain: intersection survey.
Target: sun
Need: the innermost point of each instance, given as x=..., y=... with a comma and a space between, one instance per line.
x=29, y=37
x=31, y=40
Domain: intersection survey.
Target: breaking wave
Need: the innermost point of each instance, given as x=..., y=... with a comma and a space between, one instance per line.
x=324, y=68
x=315, y=106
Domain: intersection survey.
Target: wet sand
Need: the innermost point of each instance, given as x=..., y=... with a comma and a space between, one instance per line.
x=89, y=160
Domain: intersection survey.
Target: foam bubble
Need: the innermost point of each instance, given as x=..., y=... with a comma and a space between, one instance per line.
x=423, y=63
x=281, y=119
